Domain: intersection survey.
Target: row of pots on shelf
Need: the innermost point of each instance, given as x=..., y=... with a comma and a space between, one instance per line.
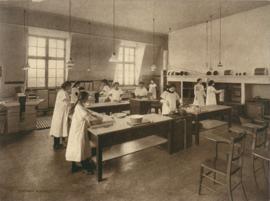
x=182, y=73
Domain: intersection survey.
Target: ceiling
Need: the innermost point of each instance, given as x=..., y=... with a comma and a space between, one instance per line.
x=138, y=14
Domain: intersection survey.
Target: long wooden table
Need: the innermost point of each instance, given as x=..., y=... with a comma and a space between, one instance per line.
x=110, y=107
x=210, y=111
x=121, y=132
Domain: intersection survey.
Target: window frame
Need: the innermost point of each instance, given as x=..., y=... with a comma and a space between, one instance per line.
x=47, y=58
x=124, y=63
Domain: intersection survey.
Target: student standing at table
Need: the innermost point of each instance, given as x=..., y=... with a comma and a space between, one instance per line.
x=78, y=146
x=153, y=89
x=116, y=93
x=59, y=125
x=75, y=91
x=141, y=91
x=199, y=93
x=170, y=100
x=211, y=93
x=104, y=91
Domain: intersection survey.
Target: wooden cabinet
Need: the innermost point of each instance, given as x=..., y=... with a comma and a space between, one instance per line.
x=182, y=132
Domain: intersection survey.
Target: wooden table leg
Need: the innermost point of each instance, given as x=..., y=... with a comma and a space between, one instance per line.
x=99, y=160
x=268, y=179
x=229, y=117
x=170, y=136
x=197, y=130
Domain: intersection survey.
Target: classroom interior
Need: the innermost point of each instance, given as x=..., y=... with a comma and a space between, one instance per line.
x=132, y=73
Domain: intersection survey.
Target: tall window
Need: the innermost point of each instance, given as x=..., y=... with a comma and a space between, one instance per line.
x=46, y=57
x=125, y=69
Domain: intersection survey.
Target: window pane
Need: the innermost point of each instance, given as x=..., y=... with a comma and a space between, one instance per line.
x=31, y=82
x=41, y=82
x=41, y=52
x=40, y=73
x=60, y=64
x=41, y=42
x=32, y=63
x=60, y=73
x=40, y=63
x=52, y=73
x=32, y=41
x=60, y=44
x=32, y=73
x=51, y=82
x=131, y=51
x=60, y=53
x=52, y=63
x=52, y=43
x=52, y=52
x=32, y=51
x=59, y=81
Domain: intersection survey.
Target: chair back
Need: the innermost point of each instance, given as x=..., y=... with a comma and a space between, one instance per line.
x=237, y=147
x=254, y=110
x=260, y=137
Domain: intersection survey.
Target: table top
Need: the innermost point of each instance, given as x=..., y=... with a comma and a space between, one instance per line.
x=108, y=104
x=210, y=108
x=122, y=124
x=145, y=100
x=13, y=103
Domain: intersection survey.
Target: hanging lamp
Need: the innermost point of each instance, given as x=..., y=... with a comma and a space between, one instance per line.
x=207, y=46
x=211, y=41
x=153, y=66
x=168, y=64
x=114, y=58
x=25, y=26
x=89, y=49
x=70, y=62
x=219, y=63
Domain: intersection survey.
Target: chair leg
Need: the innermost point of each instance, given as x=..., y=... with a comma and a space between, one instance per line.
x=215, y=176
x=254, y=170
x=229, y=188
x=201, y=180
x=244, y=191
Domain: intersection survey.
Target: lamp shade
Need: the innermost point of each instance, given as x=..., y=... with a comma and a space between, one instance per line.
x=153, y=67
x=114, y=58
x=26, y=66
x=70, y=64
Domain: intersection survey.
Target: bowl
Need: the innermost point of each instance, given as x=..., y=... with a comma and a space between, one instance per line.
x=136, y=119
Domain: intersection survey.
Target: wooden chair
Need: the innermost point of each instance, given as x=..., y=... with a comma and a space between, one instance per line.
x=260, y=150
x=225, y=168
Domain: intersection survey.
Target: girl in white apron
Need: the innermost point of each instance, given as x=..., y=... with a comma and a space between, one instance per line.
x=78, y=147
x=153, y=89
x=104, y=91
x=211, y=93
x=170, y=100
x=141, y=91
x=116, y=93
x=59, y=125
x=199, y=93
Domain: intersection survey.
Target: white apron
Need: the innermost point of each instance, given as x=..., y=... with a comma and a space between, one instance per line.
x=78, y=146
x=199, y=94
x=211, y=96
x=141, y=92
x=115, y=95
x=169, y=101
x=153, y=90
x=59, y=125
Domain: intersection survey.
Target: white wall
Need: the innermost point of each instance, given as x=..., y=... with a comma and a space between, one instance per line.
x=245, y=43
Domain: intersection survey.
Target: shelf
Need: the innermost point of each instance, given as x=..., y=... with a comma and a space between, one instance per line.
x=252, y=79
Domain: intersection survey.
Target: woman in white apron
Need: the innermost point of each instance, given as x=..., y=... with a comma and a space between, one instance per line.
x=153, y=89
x=141, y=91
x=104, y=91
x=170, y=100
x=59, y=125
x=115, y=94
x=211, y=93
x=199, y=93
x=78, y=146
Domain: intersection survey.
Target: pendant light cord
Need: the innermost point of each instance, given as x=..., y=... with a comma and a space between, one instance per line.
x=153, y=40
x=69, y=19
x=220, y=34
x=114, y=27
x=211, y=41
x=207, y=45
x=89, y=44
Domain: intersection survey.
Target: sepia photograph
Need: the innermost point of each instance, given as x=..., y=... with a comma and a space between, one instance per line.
x=134, y=100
